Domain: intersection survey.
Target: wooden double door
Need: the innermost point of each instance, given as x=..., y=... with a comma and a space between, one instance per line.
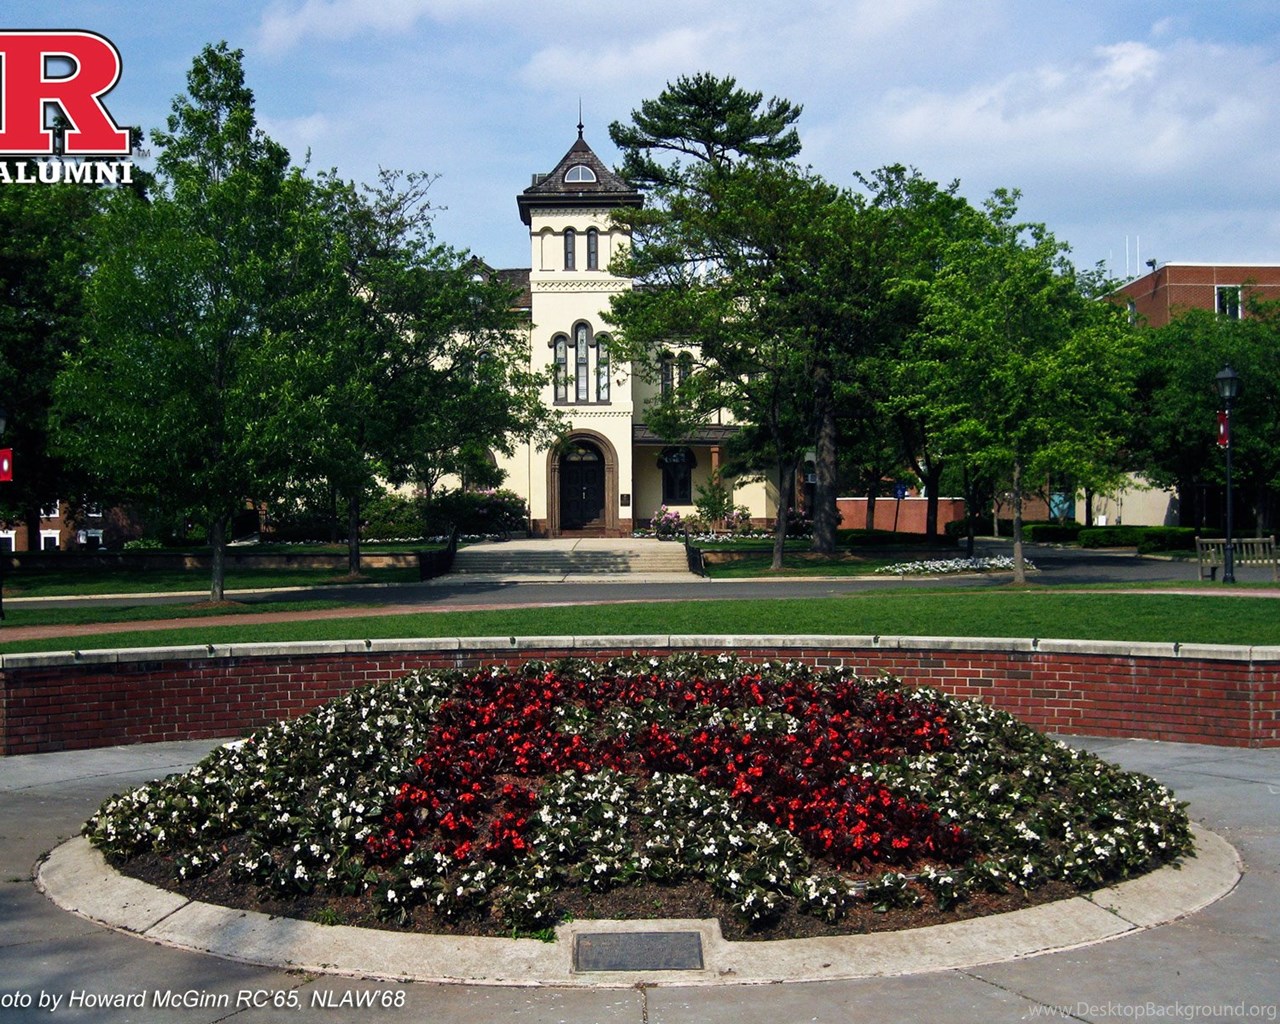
x=582, y=487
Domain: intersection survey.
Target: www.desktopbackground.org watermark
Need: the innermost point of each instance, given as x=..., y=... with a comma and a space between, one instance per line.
x=1159, y=1011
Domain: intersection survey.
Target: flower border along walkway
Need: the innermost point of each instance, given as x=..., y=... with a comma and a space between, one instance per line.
x=1195, y=693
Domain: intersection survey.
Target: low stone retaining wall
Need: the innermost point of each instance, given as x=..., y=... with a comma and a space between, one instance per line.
x=237, y=558
x=1190, y=693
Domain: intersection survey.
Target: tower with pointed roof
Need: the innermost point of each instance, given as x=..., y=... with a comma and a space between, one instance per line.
x=610, y=472
x=586, y=486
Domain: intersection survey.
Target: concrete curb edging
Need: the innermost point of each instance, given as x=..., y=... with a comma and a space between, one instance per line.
x=77, y=878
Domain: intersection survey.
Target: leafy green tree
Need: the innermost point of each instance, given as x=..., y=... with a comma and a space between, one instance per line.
x=1031, y=376
x=745, y=259
x=417, y=362
x=44, y=248
x=918, y=220
x=179, y=395
x=1174, y=421
x=716, y=257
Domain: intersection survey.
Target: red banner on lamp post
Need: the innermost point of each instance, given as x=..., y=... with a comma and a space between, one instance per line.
x=6, y=465
x=1224, y=430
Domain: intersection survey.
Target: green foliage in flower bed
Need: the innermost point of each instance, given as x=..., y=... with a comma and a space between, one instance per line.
x=488, y=796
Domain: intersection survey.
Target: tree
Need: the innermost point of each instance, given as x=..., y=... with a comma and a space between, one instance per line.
x=44, y=247
x=703, y=122
x=178, y=396
x=1032, y=377
x=1174, y=419
x=716, y=271
x=739, y=255
x=919, y=219
x=417, y=364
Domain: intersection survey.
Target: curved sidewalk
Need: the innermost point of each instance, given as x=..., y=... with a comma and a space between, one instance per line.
x=77, y=878
x=1223, y=956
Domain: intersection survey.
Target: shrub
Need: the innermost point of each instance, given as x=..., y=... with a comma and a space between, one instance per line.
x=391, y=516
x=667, y=522
x=715, y=501
x=1051, y=533
x=885, y=538
x=144, y=544
x=981, y=527
x=1145, y=538
x=476, y=512
x=799, y=523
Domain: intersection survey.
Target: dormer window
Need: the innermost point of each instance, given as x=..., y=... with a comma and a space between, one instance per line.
x=579, y=173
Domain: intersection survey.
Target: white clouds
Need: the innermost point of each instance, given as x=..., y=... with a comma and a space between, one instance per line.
x=665, y=55
x=1113, y=119
x=1125, y=106
x=287, y=24
x=300, y=135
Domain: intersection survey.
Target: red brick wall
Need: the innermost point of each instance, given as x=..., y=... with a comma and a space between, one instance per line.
x=1173, y=288
x=910, y=513
x=1230, y=697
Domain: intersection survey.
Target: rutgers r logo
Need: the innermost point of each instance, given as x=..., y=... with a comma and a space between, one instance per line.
x=71, y=70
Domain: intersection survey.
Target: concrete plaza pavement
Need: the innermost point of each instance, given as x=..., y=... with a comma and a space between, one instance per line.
x=1220, y=963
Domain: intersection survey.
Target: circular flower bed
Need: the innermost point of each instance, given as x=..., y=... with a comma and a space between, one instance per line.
x=502, y=801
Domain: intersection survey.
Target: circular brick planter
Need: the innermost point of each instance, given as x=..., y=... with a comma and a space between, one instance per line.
x=1192, y=693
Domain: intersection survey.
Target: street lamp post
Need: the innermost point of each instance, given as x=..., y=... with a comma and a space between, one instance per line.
x=1229, y=389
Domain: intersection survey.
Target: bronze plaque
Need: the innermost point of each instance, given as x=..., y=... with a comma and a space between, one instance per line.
x=637, y=951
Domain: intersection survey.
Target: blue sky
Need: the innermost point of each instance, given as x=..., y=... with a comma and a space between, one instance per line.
x=1130, y=126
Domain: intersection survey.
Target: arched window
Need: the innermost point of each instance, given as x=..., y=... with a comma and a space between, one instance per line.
x=570, y=249
x=684, y=367
x=677, y=466
x=602, y=368
x=561, y=344
x=676, y=369
x=593, y=249
x=579, y=173
x=580, y=340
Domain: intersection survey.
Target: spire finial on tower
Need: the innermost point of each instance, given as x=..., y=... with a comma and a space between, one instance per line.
x=580, y=126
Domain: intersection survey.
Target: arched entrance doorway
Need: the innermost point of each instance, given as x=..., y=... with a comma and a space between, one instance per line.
x=582, y=487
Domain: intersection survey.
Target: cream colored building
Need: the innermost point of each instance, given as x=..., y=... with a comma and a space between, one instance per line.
x=610, y=472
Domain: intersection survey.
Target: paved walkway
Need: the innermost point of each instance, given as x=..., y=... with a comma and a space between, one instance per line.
x=1220, y=963
x=1061, y=568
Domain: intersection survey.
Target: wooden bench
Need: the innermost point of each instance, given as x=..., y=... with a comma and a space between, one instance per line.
x=1245, y=551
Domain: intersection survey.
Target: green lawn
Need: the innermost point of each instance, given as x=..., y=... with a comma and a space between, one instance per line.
x=77, y=582
x=1110, y=615
x=755, y=564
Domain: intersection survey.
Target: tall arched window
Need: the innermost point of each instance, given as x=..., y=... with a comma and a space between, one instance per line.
x=593, y=249
x=684, y=367
x=570, y=249
x=561, y=344
x=580, y=343
x=602, y=368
